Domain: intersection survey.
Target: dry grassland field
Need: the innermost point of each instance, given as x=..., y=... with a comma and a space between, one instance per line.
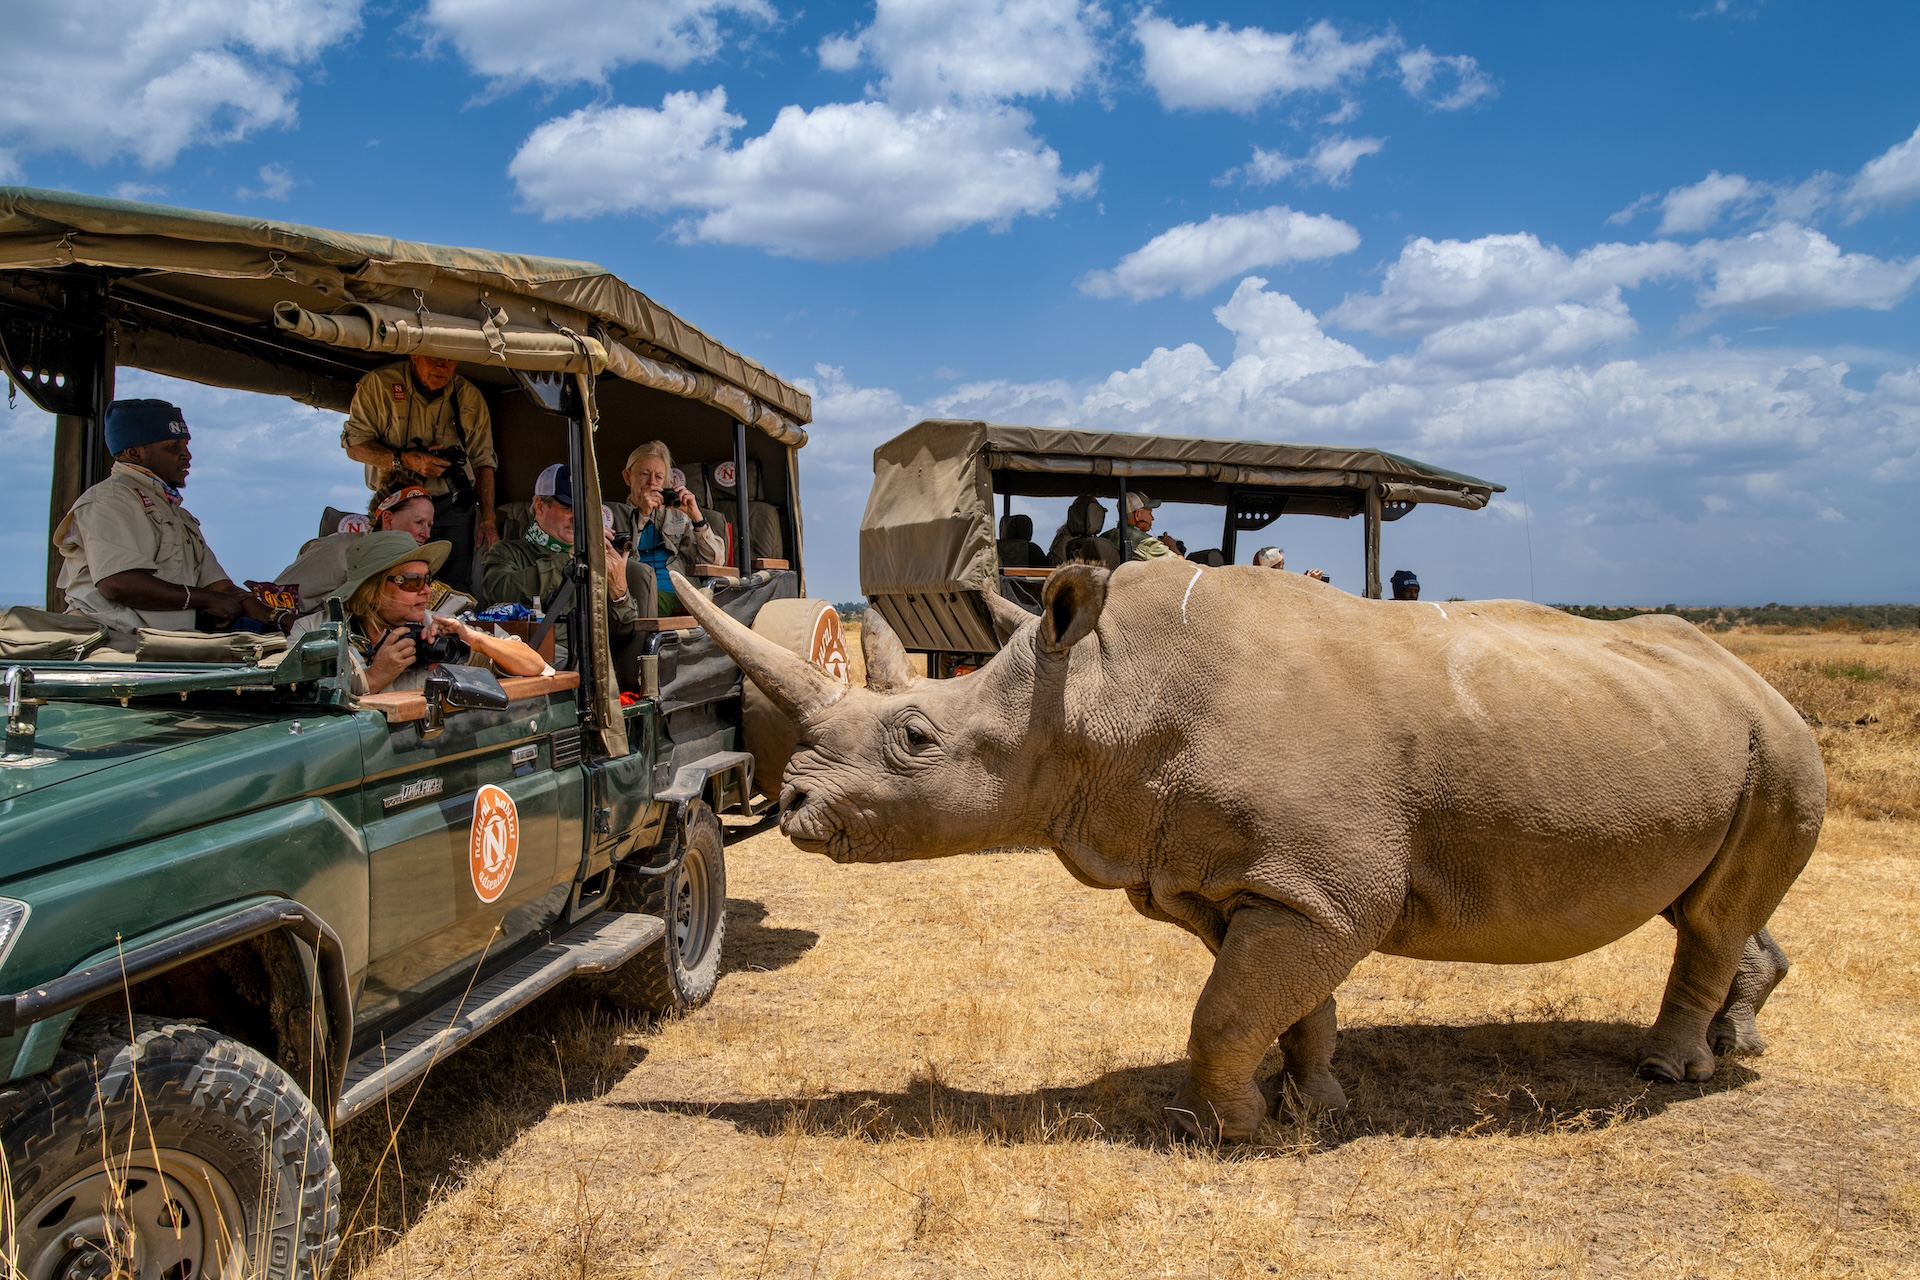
x=958, y=1068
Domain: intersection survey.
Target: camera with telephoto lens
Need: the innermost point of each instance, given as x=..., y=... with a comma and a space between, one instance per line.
x=459, y=481
x=671, y=497
x=622, y=542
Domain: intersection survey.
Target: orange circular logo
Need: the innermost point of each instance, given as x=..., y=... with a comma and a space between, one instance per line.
x=829, y=647
x=494, y=842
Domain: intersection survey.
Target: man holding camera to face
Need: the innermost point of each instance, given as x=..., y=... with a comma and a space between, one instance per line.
x=421, y=416
x=670, y=533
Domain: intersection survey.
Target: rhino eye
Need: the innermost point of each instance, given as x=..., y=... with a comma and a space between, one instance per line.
x=917, y=733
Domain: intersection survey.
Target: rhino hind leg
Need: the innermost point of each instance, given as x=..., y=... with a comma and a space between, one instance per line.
x=1308, y=1045
x=1735, y=1029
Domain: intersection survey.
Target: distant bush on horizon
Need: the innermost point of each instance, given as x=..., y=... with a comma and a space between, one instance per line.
x=1797, y=617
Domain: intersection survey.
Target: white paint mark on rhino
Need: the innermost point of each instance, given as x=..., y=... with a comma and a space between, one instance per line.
x=1183, y=599
x=1443, y=612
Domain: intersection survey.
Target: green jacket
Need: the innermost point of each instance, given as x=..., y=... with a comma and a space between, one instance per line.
x=515, y=571
x=1145, y=545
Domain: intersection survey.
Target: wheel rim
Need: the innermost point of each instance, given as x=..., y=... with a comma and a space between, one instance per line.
x=693, y=904
x=162, y=1215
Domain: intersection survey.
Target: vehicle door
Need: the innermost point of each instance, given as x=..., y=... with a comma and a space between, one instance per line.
x=473, y=839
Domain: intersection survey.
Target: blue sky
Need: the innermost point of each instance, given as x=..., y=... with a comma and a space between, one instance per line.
x=1652, y=266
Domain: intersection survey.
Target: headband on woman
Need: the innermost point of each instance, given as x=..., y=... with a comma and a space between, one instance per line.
x=407, y=494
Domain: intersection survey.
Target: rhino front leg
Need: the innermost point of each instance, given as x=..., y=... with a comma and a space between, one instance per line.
x=1274, y=973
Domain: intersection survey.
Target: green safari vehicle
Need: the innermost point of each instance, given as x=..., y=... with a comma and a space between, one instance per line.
x=240, y=903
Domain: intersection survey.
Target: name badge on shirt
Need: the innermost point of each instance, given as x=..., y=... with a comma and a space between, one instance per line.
x=399, y=393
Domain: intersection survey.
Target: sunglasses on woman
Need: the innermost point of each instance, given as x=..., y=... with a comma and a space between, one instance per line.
x=411, y=581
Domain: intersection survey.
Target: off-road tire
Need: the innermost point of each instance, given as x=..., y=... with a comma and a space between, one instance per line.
x=197, y=1126
x=679, y=972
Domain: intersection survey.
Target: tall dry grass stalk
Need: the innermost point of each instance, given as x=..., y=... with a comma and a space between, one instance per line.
x=958, y=1068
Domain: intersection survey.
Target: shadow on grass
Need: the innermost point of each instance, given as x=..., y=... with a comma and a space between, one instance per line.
x=1490, y=1078
x=752, y=944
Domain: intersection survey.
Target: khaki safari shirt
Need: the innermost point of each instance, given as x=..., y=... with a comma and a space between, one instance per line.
x=1145, y=545
x=686, y=545
x=127, y=522
x=392, y=410
x=516, y=571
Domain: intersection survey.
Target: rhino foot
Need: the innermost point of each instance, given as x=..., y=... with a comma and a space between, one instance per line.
x=1211, y=1122
x=1311, y=1094
x=1669, y=1066
x=1736, y=1032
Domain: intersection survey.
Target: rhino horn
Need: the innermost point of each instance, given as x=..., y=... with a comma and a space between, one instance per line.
x=1008, y=617
x=887, y=669
x=796, y=686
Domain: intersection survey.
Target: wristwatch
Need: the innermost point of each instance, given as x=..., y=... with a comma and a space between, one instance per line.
x=399, y=459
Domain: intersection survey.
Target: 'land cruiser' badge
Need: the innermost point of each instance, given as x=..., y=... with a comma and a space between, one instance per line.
x=494, y=842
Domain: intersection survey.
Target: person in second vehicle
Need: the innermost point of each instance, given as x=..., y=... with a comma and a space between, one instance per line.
x=1137, y=524
x=532, y=567
x=134, y=556
x=1405, y=585
x=410, y=416
x=667, y=535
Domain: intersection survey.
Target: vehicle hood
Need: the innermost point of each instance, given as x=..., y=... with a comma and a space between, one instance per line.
x=79, y=738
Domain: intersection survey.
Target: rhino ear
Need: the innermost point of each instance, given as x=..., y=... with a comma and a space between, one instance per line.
x=1008, y=617
x=1070, y=606
x=887, y=669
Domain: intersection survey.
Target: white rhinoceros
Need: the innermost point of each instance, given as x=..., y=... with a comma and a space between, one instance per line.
x=1300, y=777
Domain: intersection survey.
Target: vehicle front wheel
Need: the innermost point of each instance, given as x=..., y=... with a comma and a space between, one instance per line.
x=172, y=1152
x=680, y=971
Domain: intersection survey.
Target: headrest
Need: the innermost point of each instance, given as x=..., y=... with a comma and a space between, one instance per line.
x=1017, y=528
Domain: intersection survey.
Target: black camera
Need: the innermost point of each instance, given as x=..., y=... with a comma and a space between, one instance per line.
x=622, y=542
x=671, y=496
x=459, y=481
x=442, y=648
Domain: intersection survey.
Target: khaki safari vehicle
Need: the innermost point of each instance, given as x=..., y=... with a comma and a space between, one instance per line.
x=930, y=550
x=241, y=904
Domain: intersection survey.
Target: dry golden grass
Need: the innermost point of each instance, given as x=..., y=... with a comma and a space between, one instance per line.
x=958, y=1068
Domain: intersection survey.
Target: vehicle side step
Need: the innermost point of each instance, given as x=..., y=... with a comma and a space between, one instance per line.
x=604, y=943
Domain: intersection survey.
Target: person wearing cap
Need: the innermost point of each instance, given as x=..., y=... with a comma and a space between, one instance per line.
x=387, y=590
x=666, y=537
x=133, y=555
x=533, y=566
x=1405, y=585
x=1137, y=525
x=400, y=414
x=1270, y=558
x=321, y=566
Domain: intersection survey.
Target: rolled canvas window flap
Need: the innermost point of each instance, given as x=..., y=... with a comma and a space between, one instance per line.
x=693, y=384
x=1443, y=497
x=369, y=326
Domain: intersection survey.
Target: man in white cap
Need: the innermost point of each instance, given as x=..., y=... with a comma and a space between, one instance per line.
x=134, y=556
x=1137, y=524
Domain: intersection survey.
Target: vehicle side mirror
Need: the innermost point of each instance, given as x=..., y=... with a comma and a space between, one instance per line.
x=451, y=687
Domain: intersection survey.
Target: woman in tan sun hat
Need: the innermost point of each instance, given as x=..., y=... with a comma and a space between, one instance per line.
x=386, y=593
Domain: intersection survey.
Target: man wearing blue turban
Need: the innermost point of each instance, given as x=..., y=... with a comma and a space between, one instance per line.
x=135, y=557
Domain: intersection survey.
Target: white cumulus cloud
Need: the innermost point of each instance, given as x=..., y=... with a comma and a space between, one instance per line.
x=149, y=78
x=1195, y=256
x=1200, y=67
x=276, y=183
x=1445, y=82
x=1510, y=341
x=1695, y=208
x=1788, y=268
x=1889, y=179
x=1435, y=283
x=573, y=41
x=1331, y=161
x=935, y=51
x=837, y=181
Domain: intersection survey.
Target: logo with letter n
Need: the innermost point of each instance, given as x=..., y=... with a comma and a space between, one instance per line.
x=494, y=843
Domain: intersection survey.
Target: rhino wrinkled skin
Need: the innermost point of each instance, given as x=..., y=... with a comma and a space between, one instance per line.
x=1300, y=777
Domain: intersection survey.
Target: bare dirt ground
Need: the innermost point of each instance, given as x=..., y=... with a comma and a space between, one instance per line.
x=958, y=1068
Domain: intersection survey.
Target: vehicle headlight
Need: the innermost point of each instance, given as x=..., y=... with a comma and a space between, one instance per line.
x=13, y=918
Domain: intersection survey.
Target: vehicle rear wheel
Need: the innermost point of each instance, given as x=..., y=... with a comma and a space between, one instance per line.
x=680, y=971
x=173, y=1152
